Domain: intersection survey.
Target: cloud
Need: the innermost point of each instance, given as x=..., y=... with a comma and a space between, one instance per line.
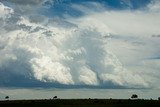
x=5, y=11
x=96, y=49
x=88, y=77
x=154, y=5
x=28, y=7
x=22, y=2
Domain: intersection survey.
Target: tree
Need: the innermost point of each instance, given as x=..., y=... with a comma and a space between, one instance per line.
x=7, y=97
x=55, y=97
x=134, y=96
x=158, y=98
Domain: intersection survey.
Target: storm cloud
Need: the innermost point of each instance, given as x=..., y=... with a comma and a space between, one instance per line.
x=97, y=49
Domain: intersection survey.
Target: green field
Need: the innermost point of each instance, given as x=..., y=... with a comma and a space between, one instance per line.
x=80, y=103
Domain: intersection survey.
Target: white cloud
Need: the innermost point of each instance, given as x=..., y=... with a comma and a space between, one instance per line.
x=154, y=5
x=46, y=70
x=5, y=11
x=88, y=77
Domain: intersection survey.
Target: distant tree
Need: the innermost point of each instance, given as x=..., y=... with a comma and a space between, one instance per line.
x=158, y=98
x=55, y=97
x=134, y=96
x=7, y=97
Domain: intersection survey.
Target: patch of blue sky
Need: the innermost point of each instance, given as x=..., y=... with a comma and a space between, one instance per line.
x=65, y=7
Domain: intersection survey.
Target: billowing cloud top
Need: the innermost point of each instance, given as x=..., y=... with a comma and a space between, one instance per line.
x=80, y=43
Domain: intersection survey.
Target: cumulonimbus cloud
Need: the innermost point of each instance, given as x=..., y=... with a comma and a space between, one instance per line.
x=94, y=50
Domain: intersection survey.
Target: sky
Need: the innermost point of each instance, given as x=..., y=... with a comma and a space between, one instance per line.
x=80, y=43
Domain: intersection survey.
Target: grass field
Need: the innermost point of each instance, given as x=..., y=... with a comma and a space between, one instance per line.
x=80, y=103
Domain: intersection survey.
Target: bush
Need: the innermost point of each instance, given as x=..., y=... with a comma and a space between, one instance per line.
x=134, y=96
